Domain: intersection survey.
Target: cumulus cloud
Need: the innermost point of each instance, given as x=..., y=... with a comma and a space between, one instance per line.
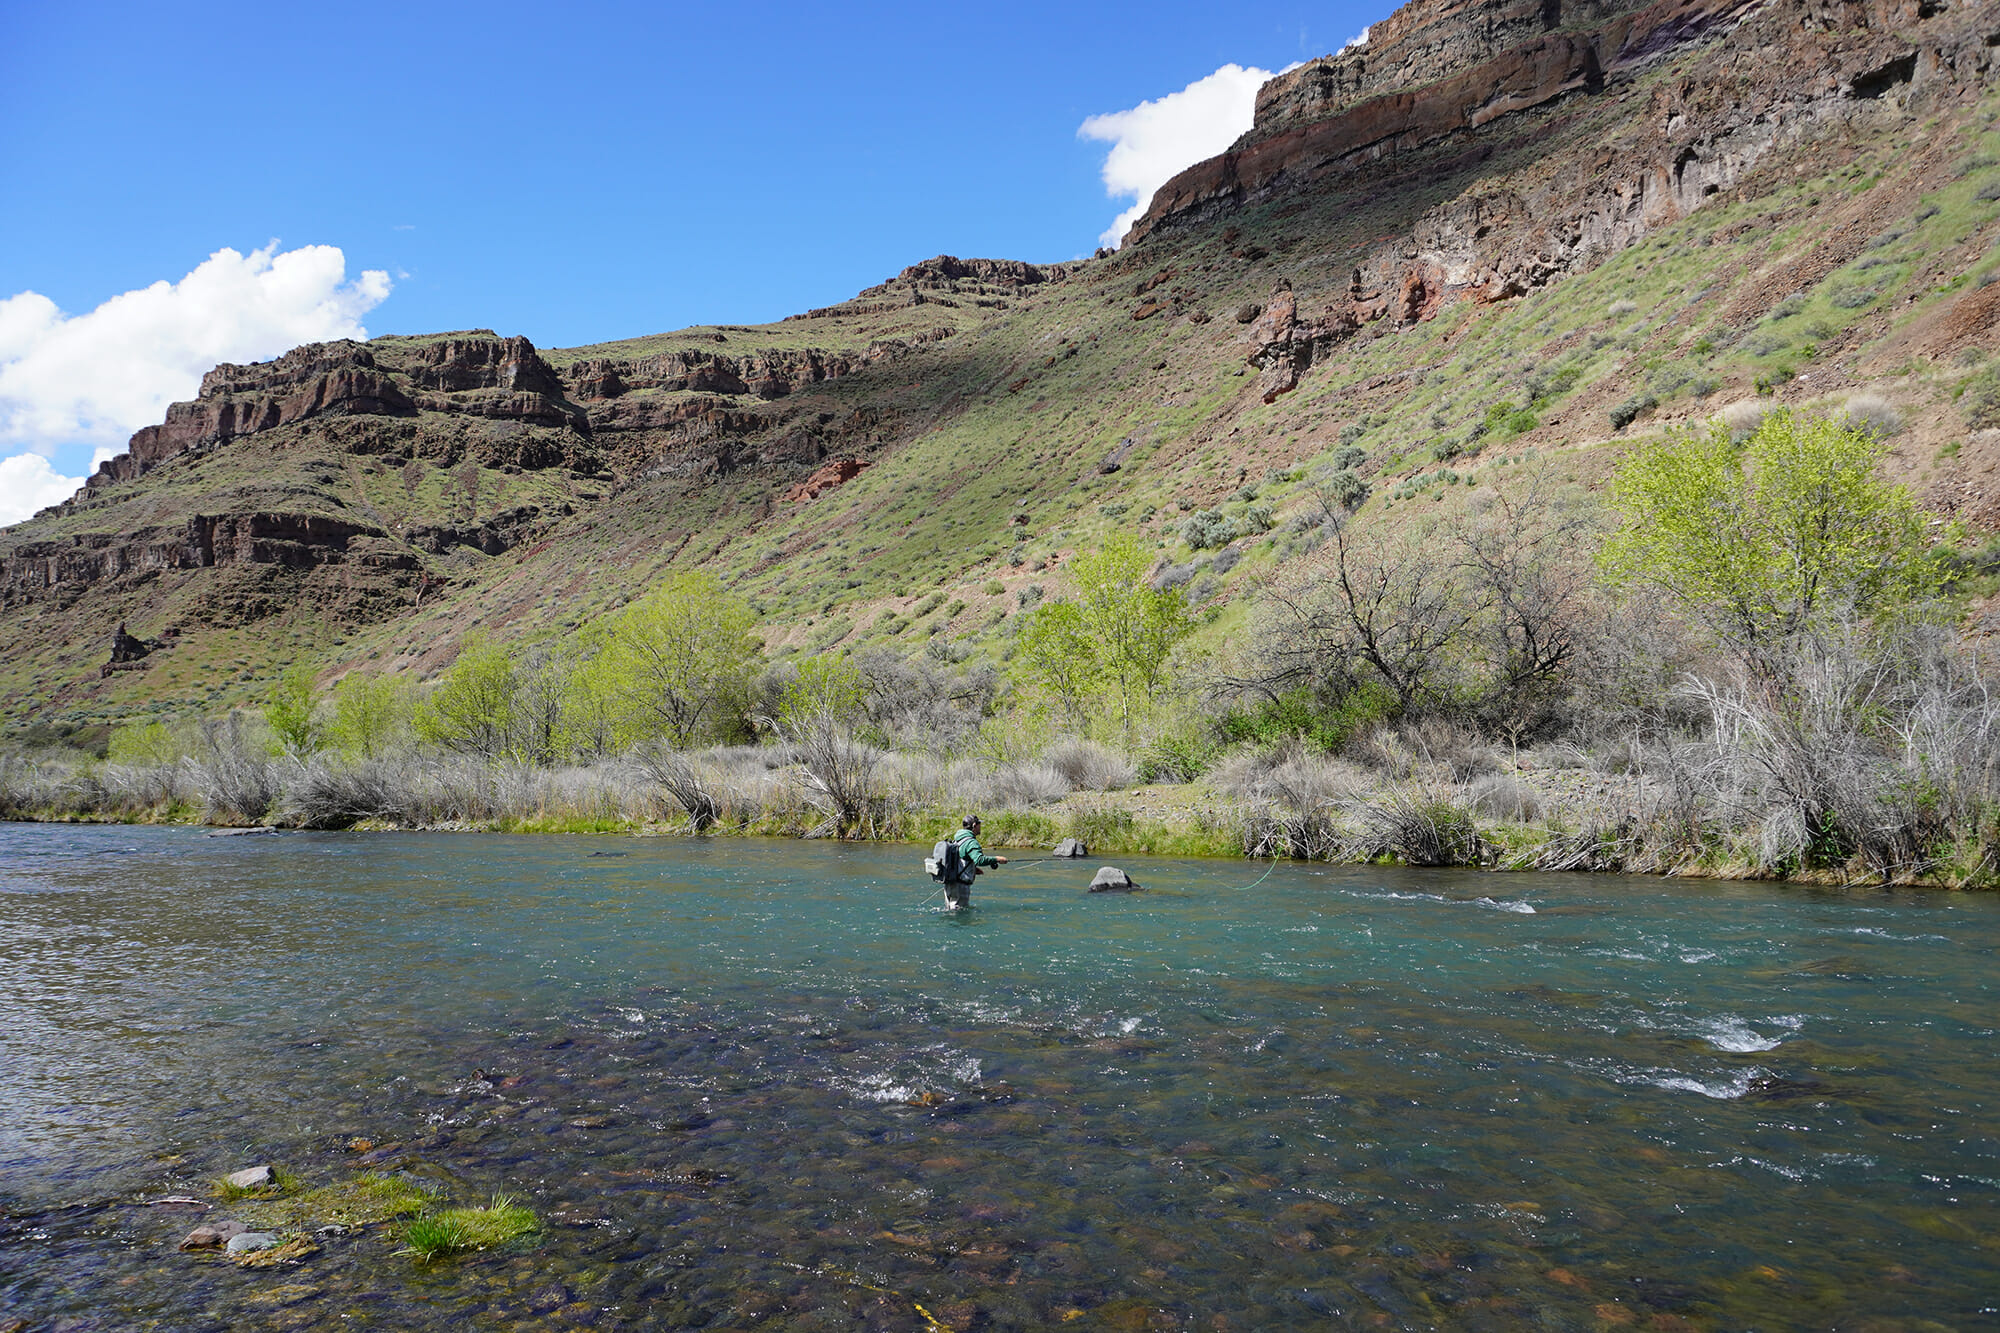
x=97, y=377
x=27, y=483
x=1155, y=141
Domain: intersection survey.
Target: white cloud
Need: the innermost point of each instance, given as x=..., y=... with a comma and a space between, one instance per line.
x=97, y=377
x=1155, y=141
x=28, y=483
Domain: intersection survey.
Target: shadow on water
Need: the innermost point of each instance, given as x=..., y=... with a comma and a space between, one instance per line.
x=751, y=1083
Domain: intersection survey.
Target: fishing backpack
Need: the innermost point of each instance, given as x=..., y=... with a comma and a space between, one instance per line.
x=948, y=864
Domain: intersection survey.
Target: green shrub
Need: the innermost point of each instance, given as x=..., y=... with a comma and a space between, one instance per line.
x=1625, y=413
x=1208, y=529
x=1177, y=759
x=1551, y=383
x=1979, y=399
x=1300, y=714
x=1348, y=489
x=1504, y=421
x=1349, y=456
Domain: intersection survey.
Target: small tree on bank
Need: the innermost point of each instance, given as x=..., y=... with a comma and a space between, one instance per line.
x=472, y=708
x=1755, y=541
x=369, y=712
x=1114, y=636
x=680, y=660
x=289, y=712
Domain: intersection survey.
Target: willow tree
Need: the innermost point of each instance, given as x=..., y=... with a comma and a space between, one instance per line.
x=290, y=711
x=1758, y=540
x=680, y=660
x=1112, y=637
x=472, y=709
x=368, y=714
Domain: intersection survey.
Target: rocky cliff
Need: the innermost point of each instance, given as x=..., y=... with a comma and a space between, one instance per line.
x=1443, y=84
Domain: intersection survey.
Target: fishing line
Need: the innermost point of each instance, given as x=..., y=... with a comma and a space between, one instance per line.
x=1261, y=878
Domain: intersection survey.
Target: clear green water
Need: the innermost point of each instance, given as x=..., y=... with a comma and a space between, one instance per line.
x=1346, y=1098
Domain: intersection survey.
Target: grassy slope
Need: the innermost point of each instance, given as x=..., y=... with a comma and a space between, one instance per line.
x=1014, y=414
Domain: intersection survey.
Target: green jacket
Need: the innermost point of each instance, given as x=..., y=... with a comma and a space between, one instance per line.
x=969, y=848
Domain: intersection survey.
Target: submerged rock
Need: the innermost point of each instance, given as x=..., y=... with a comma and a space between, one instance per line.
x=243, y=1242
x=1110, y=879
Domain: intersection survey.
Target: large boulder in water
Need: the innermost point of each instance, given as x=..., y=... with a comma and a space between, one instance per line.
x=1110, y=879
x=1069, y=847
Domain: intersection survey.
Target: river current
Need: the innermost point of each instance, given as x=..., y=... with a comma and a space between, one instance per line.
x=771, y=1084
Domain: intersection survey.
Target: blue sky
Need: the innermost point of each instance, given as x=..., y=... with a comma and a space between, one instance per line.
x=576, y=173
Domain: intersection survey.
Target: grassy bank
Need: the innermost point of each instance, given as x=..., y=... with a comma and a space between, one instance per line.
x=1558, y=809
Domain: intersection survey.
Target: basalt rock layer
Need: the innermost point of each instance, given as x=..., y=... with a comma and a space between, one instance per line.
x=1447, y=83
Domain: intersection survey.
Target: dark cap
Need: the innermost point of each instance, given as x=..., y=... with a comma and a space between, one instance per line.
x=970, y=821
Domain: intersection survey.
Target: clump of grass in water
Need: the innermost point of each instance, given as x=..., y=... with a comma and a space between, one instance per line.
x=367, y=1200
x=452, y=1231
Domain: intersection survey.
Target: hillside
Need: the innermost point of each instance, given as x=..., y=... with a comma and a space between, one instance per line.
x=1491, y=231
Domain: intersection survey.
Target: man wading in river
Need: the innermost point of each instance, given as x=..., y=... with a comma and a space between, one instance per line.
x=975, y=858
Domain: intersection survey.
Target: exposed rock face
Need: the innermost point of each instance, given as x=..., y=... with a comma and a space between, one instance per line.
x=947, y=281
x=295, y=540
x=1440, y=73
x=1447, y=84
x=477, y=375
x=319, y=379
x=834, y=474
x=1001, y=272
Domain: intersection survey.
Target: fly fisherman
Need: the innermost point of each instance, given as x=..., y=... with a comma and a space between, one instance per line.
x=975, y=858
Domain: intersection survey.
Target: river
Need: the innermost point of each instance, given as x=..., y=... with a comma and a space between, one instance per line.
x=771, y=1084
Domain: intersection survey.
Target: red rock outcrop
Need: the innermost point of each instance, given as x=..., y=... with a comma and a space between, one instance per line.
x=836, y=473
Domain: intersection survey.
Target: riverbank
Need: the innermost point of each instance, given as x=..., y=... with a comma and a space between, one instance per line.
x=1543, y=813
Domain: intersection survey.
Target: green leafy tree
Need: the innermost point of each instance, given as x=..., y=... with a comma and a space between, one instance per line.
x=680, y=659
x=829, y=687
x=289, y=711
x=1135, y=624
x=369, y=712
x=1115, y=635
x=1058, y=655
x=1759, y=539
x=592, y=709
x=472, y=708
